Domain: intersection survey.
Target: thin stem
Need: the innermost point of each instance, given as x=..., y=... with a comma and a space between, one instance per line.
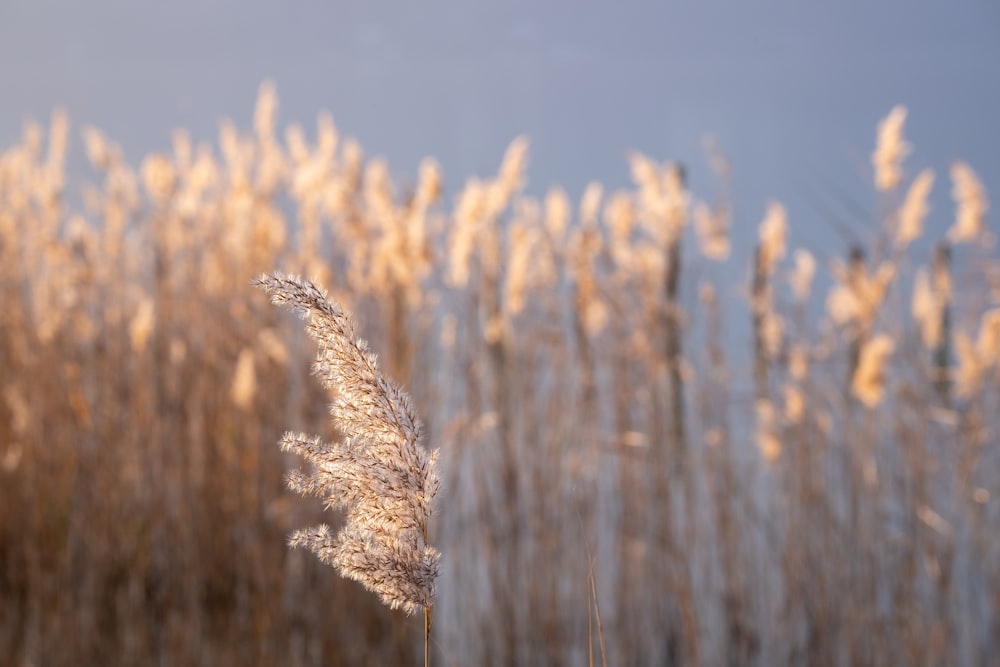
x=427, y=636
x=597, y=613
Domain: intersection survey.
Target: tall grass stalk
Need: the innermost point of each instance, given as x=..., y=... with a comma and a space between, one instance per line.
x=379, y=471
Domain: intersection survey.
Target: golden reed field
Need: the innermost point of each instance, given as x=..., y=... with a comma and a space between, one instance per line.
x=636, y=462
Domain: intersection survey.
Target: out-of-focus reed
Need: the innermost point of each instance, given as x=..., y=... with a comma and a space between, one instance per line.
x=824, y=492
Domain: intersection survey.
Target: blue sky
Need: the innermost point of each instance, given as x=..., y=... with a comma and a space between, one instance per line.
x=791, y=90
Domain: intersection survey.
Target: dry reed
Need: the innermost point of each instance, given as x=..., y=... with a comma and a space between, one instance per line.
x=555, y=360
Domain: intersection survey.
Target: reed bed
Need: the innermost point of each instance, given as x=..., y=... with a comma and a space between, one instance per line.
x=620, y=474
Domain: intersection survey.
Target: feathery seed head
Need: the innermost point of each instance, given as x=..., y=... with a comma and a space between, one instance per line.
x=380, y=472
x=868, y=385
x=914, y=209
x=972, y=204
x=890, y=150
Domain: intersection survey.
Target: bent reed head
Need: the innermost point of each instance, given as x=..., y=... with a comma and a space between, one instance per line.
x=380, y=472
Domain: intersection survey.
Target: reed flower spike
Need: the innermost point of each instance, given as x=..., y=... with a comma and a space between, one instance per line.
x=380, y=472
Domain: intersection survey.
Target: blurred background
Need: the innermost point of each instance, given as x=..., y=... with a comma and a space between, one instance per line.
x=648, y=451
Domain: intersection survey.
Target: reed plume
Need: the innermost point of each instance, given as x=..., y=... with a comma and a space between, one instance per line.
x=379, y=472
x=914, y=209
x=971, y=202
x=890, y=150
